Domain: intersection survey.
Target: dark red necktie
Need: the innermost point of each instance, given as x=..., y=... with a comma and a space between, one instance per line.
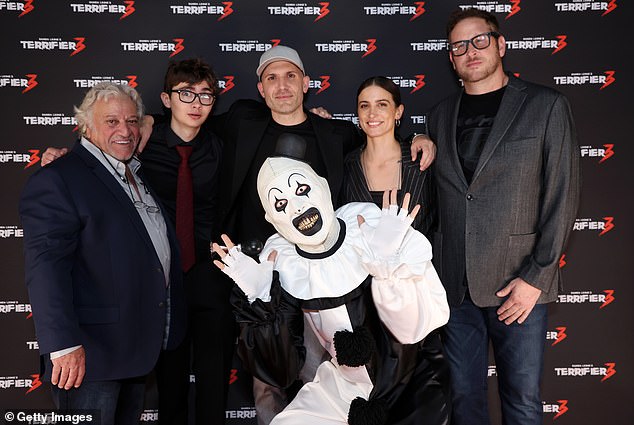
x=185, y=209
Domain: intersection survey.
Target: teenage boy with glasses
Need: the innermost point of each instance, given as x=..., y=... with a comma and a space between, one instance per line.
x=175, y=149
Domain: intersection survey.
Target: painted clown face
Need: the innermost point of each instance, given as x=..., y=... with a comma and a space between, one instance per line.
x=296, y=201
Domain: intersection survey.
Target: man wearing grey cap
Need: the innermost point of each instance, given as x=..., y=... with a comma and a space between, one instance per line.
x=250, y=130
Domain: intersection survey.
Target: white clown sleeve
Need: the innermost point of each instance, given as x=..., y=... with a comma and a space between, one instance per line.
x=409, y=297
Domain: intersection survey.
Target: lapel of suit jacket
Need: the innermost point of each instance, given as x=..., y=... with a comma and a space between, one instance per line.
x=357, y=179
x=170, y=227
x=249, y=138
x=451, y=124
x=330, y=145
x=117, y=191
x=411, y=180
x=511, y=104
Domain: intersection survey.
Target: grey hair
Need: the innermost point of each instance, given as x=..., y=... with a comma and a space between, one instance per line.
x=104, y=91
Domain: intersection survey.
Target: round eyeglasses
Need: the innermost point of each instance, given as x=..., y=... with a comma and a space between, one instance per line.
x=140, y=205
x=188, y=96
x=480, y=41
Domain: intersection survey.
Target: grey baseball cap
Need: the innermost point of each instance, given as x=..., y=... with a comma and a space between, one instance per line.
x=279, y=53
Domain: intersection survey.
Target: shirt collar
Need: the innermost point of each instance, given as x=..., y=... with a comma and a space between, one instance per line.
x=111, y=163
x=174, y=140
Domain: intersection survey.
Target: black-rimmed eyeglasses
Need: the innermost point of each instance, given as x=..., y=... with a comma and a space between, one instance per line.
x=188, y=96
x=480, y=41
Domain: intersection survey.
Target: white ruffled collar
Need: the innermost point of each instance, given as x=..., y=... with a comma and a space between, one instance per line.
x=332, y=274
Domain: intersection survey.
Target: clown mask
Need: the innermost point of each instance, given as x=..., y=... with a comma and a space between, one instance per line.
x=296, y=201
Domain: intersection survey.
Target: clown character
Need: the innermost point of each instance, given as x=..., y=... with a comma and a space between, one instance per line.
x=362, y=278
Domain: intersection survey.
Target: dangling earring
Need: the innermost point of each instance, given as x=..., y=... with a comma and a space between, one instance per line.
x=397, y=122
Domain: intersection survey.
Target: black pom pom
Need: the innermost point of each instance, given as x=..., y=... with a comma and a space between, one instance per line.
x=354, y=348
x=367, y=412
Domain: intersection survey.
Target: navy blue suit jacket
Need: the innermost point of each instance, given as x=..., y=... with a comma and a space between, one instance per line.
x=92, y=272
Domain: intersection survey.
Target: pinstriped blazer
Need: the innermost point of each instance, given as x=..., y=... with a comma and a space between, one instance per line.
x=413, y=181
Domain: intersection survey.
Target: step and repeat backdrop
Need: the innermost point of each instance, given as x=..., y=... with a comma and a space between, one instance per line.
x=53, y=51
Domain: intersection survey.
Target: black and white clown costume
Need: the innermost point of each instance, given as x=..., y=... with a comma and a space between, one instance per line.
x=369, y=292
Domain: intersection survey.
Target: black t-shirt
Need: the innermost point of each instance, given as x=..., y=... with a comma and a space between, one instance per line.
x=475, y=120
x=251, y=221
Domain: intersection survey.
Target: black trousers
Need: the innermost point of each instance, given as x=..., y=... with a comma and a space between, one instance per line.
x=207, y=352
x=426, y=400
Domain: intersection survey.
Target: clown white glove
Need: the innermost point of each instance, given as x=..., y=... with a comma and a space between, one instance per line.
x=385, y=239
x=253, y=278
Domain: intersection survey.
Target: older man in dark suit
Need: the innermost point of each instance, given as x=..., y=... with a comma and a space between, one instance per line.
x=102, y=267
x=508, y=182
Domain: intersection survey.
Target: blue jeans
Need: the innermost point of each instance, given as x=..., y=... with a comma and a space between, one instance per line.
x=119, y=402
x=519, y=359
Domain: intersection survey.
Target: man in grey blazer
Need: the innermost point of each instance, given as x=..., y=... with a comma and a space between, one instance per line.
x=508, y=181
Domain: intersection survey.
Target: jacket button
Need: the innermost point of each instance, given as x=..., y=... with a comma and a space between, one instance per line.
x=161, y=304
x=469, y=197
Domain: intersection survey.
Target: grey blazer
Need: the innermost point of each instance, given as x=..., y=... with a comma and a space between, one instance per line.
x=514, y=218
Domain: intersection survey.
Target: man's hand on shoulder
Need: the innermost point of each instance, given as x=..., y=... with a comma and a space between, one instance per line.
x=51, y=154
x=146, y=132
x=69, y=369
x=321, y=111
x=423, y=144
